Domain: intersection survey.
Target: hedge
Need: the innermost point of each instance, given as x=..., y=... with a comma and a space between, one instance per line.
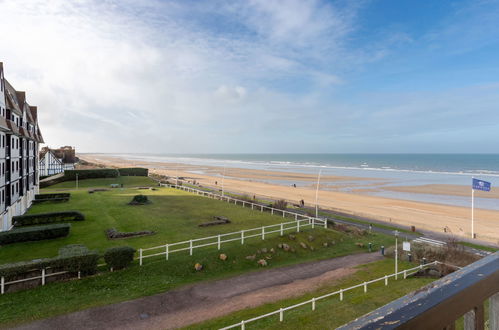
x=119, y=257
x=44, y=218
x=35, y=233
x=52, y=196
x=133, y=171
x=91, y=174
x=72, y=258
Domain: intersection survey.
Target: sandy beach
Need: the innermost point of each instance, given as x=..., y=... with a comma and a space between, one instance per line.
x=431, y=216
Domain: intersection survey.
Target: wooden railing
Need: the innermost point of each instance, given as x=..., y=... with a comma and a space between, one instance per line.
x=440, y=304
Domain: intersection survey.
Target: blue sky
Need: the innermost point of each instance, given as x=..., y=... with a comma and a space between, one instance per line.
x=258, y=75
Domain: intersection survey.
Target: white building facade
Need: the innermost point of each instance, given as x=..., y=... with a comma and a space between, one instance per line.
x=19, y=142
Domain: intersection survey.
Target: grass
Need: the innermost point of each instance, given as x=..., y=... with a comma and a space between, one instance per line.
x=330, y=312
x=174, y=215
x=479, y=247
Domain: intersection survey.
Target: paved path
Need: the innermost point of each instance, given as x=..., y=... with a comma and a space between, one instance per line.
x=203, y=301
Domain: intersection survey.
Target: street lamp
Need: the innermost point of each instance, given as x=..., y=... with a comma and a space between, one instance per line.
x=396, y=253
x=223, y=177
x=317, y=195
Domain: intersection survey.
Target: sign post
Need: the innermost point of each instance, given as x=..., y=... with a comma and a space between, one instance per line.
x=476, y=185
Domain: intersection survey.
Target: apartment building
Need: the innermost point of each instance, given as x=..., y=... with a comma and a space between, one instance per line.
x=20, y=137
x=54, y=161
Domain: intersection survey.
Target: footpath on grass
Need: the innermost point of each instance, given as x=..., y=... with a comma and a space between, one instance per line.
x=200, y=302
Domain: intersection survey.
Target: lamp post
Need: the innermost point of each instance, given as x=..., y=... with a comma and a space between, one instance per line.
x=317, y=195
x=176, y=174
x=396, y=254
x=223, y=177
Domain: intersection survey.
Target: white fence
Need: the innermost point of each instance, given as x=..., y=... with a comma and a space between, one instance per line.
x=236, y=201
x=43, y=276
x=340, y=293
x=301, y=221
x=241, y=236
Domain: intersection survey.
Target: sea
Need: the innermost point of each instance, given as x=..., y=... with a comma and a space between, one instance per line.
x=385, y=170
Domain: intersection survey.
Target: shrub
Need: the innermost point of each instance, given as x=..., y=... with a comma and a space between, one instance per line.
x=114, y=234
x=119, y=257
x=280, y=204
x=34, y=233
x=139, y=200
x=72, y=258
x=133, y=171
x=43, y=218
x=77, y=258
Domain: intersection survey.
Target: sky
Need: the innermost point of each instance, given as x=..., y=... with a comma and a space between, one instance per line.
x=258, y=76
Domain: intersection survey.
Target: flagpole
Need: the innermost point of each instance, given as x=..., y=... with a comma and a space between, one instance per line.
x=472, y=212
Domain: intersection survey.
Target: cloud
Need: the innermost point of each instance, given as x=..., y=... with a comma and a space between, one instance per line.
x=217, y=76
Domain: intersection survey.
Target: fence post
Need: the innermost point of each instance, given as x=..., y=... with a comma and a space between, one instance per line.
x=252, y=205
x=296, y=216
x=313, y=223
x=325, y=223
x=79, y=275
x=298, y=226
x=283, y=214
x=281, y=315
x=43, y=276
x=244, y=203
x=218, y=242
x=313, y=304
x=261, y=208
x=272, y=210
x=167, y=248
x=341, y=294
x=140, y=257
x=405, y=274
x=242, y=236
x=242, y=325
x=263, y=232
x=386, y=280
x=2, y=285
x=190, y=247
x=282, y=229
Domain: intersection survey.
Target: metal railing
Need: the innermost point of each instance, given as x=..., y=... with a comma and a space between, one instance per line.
x=312, y=302
x=441, y=303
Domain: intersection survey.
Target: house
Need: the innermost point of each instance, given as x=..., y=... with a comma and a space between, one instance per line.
x=20, y=137
x=53, y=161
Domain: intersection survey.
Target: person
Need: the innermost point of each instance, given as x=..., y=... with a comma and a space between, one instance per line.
x=216, y=183
x=294, y=185
x=302, y=203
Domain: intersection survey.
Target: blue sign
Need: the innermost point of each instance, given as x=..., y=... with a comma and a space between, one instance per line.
x=481, y=185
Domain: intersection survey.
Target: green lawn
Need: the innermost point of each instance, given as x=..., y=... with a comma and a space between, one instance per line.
x=330, y=312
x=127, y=181
x=479, y=247
x=174, y=215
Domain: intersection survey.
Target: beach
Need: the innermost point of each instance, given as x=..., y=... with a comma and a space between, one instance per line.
x=448, y=219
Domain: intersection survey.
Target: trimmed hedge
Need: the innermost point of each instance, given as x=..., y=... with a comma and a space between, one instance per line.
x=72, y=258
x=119, y=257
x=44, y=218
x=133, y=171
x=52, y=196
x=91, y=174
x=34, y=233
x=98, y=173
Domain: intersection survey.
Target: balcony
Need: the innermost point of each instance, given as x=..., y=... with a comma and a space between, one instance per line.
x=440, y=304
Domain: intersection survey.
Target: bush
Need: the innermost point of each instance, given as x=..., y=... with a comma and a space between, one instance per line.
x=139, y=200
x=35, y=233
x=280, y=204
x=77, y=258
x=74, y=258
x=133, y=171
x=119, y=257
x=43, y=218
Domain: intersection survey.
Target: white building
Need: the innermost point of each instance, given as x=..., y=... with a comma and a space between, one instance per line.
x=54, y=161
x=19, y=140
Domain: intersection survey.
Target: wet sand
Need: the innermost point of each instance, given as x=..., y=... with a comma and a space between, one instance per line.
x=436, y=217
